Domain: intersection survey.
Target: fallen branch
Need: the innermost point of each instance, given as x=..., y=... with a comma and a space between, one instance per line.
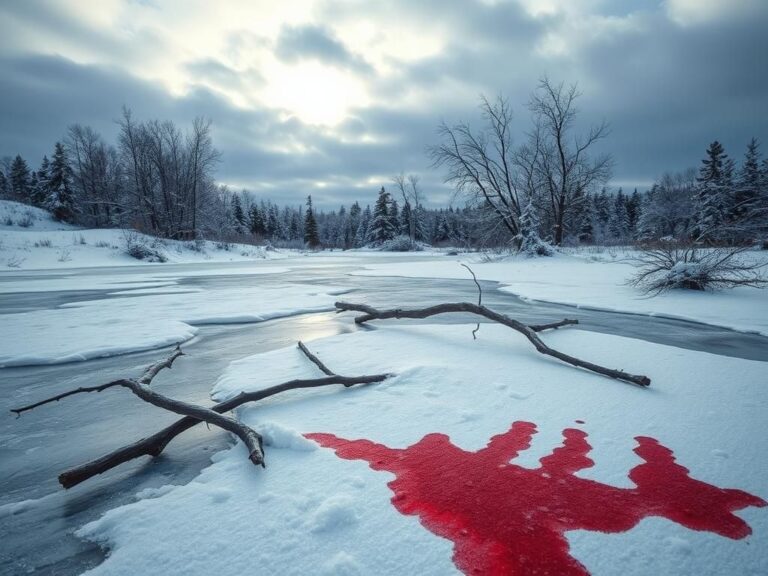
x=370, y=313
x=155, y=444
x=146, y=379
x=140, y=388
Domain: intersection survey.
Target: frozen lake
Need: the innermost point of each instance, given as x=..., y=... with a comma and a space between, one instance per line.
x=37, y=447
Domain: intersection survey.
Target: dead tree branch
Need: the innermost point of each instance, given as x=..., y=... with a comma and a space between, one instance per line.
x=155, y=444
x=140, y=388
x=315, y=360
x=370, y=313
x=479, y=298
x=146, y=379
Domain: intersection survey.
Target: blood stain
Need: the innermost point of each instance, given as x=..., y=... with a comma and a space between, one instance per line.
x=506, y=519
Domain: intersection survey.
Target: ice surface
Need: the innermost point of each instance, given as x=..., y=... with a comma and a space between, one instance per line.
x=105, y=327
x=601, y=284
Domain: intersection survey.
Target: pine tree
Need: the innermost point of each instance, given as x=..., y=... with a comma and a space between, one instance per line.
x=5, y=186
x=311, y=237
x=394, y=216
x=297, y=229
x=60, y=199
x=361, y=235
x=256, y=221
x=273, y=223
x=41, y=188
x=747, y=189
x=238, y=216
x=381, y=228
x=420, y=224
x=712, y=193
x=618, y=224
x=528, y=238
x=406, y=221
x=19, y=177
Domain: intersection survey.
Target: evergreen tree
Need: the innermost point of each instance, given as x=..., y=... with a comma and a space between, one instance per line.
x=353, y=222
x=60, y=199
x=747, y=189
x=311, y=237
x=41, y=188
x=528, y=238
x=238, y=216
x=19, y=177
x=420, y=224
x=5, y=186
x=394, y=216
x=256, y=221
x=406, y=221
x=634, y=203
x=618, y=224
x=296, y=229
x=273, y=223
x=712, y=193
x=361, y=235
x=381, y=227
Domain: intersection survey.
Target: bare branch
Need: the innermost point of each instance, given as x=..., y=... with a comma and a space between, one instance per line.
x=370, y=313
x=315, y=360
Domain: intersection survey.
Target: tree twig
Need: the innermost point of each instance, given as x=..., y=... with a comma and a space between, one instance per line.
x=146, y=379
x=479, y=298
x=315, y=360
x=370, y=313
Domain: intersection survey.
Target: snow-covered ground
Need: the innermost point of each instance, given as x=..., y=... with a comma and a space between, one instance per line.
x=314, y=512
x=143, y=321
x=319, y=508
x=30, y=239
x=598, y=281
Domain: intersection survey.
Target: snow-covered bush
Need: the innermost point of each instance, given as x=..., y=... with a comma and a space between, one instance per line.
x=26, y=220
x=530, y=242
x=401, y=243
x=137, y=246
x=693, y=268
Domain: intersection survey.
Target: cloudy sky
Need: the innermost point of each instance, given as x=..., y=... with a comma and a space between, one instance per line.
x=334, y=97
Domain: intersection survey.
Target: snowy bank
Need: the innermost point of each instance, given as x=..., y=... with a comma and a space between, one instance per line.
x=143, y=320
x=315, y=512
x=596, y=283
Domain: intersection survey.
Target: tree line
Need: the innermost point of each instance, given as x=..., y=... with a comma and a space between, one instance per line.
x=550, y=189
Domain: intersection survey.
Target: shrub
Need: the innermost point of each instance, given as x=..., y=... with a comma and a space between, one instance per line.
x=43, y=243
x=137, y=247
x=401, y=244
x=693, y=268
x=26, y=220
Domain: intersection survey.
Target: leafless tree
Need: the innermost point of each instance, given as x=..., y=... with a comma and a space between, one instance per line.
x=556, y=162
x=409, y=189
x=481, y=164
x=97, y=175
x=168, y=174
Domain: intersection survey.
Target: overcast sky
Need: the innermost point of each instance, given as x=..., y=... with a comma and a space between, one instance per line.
x=333, y=97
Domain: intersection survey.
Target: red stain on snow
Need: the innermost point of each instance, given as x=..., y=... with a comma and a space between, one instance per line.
x=506, y=519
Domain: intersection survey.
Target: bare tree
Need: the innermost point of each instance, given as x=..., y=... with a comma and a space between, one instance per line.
x=409, y=189
x=168, y=174
x=560, y=168
x=481, y=164
x=96, y=174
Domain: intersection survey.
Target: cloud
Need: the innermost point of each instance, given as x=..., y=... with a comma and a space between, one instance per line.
x=333, y=98
x=309, y=42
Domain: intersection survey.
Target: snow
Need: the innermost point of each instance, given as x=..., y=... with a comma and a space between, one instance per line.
x=18, y=216
x=106, y=327
x=312, y=512
x=587, y=281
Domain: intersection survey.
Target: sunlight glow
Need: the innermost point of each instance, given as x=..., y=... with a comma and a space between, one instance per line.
x=314, y=93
